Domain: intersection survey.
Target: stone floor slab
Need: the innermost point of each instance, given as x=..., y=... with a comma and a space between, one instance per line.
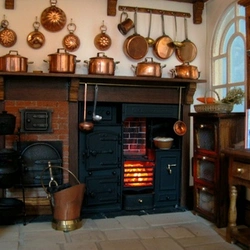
x=120, y=234
x=108, y=224
x=149, y=233
x=132, y=221
x=161, y=244
x=122, y=245
x=178, y=232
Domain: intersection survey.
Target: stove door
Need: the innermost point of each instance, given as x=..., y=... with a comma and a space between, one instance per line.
x=103, y=150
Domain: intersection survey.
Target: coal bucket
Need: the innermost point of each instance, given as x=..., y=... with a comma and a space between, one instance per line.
x=66, y=201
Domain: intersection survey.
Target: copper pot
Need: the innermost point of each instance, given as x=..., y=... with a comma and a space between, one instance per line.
x=101, y=65
x=62, y=62
x=186, y=71
x=148, y=68
x=13, y=62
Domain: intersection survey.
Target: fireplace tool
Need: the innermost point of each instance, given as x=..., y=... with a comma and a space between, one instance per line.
x=65, y=200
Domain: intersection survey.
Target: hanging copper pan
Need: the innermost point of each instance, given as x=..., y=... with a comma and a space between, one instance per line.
x=36, y=39
x=135, y=46
x=71, y=42
x=188, y=51
x=53, y=18
x=163, y=47
x=7, y=36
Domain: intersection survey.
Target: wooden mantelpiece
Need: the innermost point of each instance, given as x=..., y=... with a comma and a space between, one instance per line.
x=111, y=82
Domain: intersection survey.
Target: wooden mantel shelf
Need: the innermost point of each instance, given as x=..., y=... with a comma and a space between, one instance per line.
x=75, y=80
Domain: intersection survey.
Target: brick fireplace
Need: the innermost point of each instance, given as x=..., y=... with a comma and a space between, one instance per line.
x=62, y=95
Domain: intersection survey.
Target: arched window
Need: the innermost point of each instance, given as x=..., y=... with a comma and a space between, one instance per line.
x=228, y=53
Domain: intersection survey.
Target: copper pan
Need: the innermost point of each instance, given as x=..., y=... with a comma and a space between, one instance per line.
x=163, y=46
x=188, y=51
x=135, y=46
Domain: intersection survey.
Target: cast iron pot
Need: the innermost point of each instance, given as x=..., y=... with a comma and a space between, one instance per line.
x=7, y=123
x=13, y=62
x=62, y=62
x=148, y=68
x=186, y=71
x=101, y=65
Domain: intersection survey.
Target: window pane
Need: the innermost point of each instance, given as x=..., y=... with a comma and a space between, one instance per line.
x=220, y=71
x=229, y=34
x=237, y=63
x=242, y=26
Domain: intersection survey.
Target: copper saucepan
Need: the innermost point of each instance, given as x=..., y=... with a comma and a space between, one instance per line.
x=135, y=46
x=180, y=127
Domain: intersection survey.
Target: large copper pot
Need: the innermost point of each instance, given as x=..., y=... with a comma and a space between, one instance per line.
x=62, y=62
x=13, y=62
x=186, y=71
x=148, y=68
x=101, y=65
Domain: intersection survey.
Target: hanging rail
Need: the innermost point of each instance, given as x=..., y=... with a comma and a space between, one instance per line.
x=154, y=11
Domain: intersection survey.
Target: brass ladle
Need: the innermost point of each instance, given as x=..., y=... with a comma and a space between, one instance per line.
x=175, y=42
x=150, y=40
x=85, y=126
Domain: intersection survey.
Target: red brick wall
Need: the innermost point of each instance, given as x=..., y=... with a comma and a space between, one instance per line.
x=59, y=124
x=134, y=133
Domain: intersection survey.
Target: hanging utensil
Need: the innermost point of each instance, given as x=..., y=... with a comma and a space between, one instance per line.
x=175, y=42
x=150, y=40
x=53, y=18
x=36, y=39
x=188, y=52
x=85, y=126
x=96, y=118
x=163, y=47
x=7, y=36
x=102, y=41
x=71, y=42
x=135, y=46
x=180, y=127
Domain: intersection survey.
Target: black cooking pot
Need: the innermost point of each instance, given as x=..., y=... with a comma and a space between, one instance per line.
x=7, y=123
x=9, y=168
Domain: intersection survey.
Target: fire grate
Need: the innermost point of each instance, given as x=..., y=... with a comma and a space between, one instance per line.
x=138, y=173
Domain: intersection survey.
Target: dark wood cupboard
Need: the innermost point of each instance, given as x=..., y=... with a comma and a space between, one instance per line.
x=213, y=133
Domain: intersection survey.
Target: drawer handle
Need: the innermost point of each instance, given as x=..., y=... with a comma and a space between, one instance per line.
x=204, y=189
x=240, y=170
x=140, y=200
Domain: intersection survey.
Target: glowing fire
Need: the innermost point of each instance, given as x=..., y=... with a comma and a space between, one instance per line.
x=138, y=173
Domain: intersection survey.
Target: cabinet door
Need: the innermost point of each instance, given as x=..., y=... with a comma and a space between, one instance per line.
x=205, y=137
x=167, y=178
x=205, y=170
x=204, y=199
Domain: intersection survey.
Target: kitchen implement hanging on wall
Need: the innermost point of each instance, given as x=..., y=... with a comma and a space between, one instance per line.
x=180, y=127
x=53, y=18
x=71, y=42
x=36, y=39
x=149, y=39
x=135, y=46
x=7, y=36
x=163, y=47
x=188, y=51
x=85, y=125
x=102, y=41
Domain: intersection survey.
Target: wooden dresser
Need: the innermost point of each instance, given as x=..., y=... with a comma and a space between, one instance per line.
x=239, y=175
